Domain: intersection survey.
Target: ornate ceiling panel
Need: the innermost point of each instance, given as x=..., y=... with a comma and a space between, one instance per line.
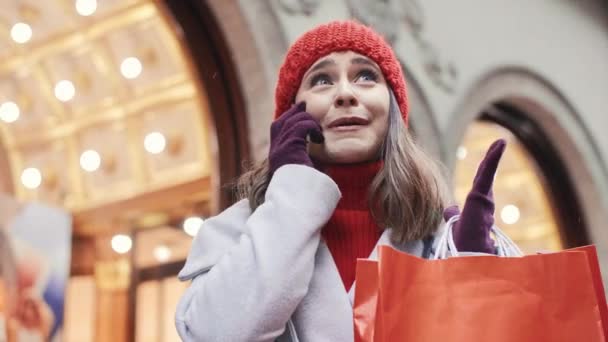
x=97, y=102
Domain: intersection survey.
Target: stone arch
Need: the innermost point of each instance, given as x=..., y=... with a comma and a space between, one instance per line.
x=422, y=119
x=562, y=125
x=230, y=69
x=257, y=44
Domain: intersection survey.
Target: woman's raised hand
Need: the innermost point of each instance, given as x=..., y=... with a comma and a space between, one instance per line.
x=288, y=138
x=472, y=231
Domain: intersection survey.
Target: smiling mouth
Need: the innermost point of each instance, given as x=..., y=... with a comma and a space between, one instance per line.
x=348, y=123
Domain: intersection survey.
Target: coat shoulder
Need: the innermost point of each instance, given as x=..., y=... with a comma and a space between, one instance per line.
x=217, y=234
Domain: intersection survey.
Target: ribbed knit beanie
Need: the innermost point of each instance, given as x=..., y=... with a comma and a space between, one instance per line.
x=333, y=37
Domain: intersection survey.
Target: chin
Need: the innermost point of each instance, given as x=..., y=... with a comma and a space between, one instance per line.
x=349, y=150
x=350, y=154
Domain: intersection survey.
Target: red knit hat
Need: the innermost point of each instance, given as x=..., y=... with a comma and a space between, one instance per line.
x=332, y=37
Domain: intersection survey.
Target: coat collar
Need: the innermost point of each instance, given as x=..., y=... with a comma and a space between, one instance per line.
x=326, y=313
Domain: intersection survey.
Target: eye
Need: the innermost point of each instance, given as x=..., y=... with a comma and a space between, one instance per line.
x=319, y=80
x=367, y=75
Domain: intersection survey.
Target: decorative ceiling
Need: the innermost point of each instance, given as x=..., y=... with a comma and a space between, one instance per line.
x=98, y=105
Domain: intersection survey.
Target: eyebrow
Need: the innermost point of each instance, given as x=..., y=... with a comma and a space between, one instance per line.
x=366, y=61
x=322, y=64
x=328, y=61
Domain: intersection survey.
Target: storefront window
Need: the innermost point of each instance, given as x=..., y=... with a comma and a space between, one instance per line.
x=523, y=205
x=156, y=302
x=159, y=253
x=80, y=309
x=160, y=246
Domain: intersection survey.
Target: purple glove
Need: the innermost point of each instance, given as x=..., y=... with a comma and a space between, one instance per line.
x=472, y=231
x=288, y=138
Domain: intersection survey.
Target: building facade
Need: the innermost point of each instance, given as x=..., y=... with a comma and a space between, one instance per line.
x=169, y=133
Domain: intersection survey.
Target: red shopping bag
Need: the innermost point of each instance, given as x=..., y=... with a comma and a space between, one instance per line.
x=548, y=297
x=366, y=295
x=598, y=285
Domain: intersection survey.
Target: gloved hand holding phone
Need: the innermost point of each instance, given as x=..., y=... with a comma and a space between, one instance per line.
x=289, y=137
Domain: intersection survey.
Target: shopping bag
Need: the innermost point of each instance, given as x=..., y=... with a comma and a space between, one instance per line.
x=366, y=295
x=598, y=285
x=366, y=283
x=546, y=297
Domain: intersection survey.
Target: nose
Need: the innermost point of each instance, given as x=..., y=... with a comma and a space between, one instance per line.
x=345, y=96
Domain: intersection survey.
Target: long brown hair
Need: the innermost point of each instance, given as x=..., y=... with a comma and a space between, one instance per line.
x=408, y=194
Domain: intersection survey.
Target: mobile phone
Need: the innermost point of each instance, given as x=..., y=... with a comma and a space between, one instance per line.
x=316, y=137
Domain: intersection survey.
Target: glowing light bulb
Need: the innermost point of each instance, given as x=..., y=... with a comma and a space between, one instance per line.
x=90, y=160
x=509, y=214
x=130, y=67
x=86, y=7
x=121, y=243
x=9, y=112
x=192, y=225
x=21, y=33
x=64, y=90
x=31, y=178
x=461, y=152
x=162, y=253
x=155, y=142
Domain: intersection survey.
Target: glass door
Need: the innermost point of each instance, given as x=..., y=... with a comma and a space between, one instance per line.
x=159, y=254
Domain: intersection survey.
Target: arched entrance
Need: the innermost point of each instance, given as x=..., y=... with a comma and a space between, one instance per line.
x=211, y=59
x=132, y=120
x=554, y=135
x=422, y=118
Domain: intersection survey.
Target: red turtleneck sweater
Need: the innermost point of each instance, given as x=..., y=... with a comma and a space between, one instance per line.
x=351, y=232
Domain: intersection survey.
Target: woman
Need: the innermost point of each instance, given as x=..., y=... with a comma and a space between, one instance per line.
x=280, y=263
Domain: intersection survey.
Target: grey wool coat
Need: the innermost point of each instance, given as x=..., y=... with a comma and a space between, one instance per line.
x=267, y=275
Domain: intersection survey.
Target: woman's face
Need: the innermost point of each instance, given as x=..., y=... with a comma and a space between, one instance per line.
x=348, y=95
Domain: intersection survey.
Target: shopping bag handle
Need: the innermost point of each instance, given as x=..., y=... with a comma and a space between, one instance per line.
x=447, y=248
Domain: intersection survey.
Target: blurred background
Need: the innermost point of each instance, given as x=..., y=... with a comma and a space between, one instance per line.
x=121, y=122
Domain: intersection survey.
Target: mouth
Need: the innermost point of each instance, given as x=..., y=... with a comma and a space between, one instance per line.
x=348, y=123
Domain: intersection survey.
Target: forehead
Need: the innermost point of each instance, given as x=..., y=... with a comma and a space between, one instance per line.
x=340, y=57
